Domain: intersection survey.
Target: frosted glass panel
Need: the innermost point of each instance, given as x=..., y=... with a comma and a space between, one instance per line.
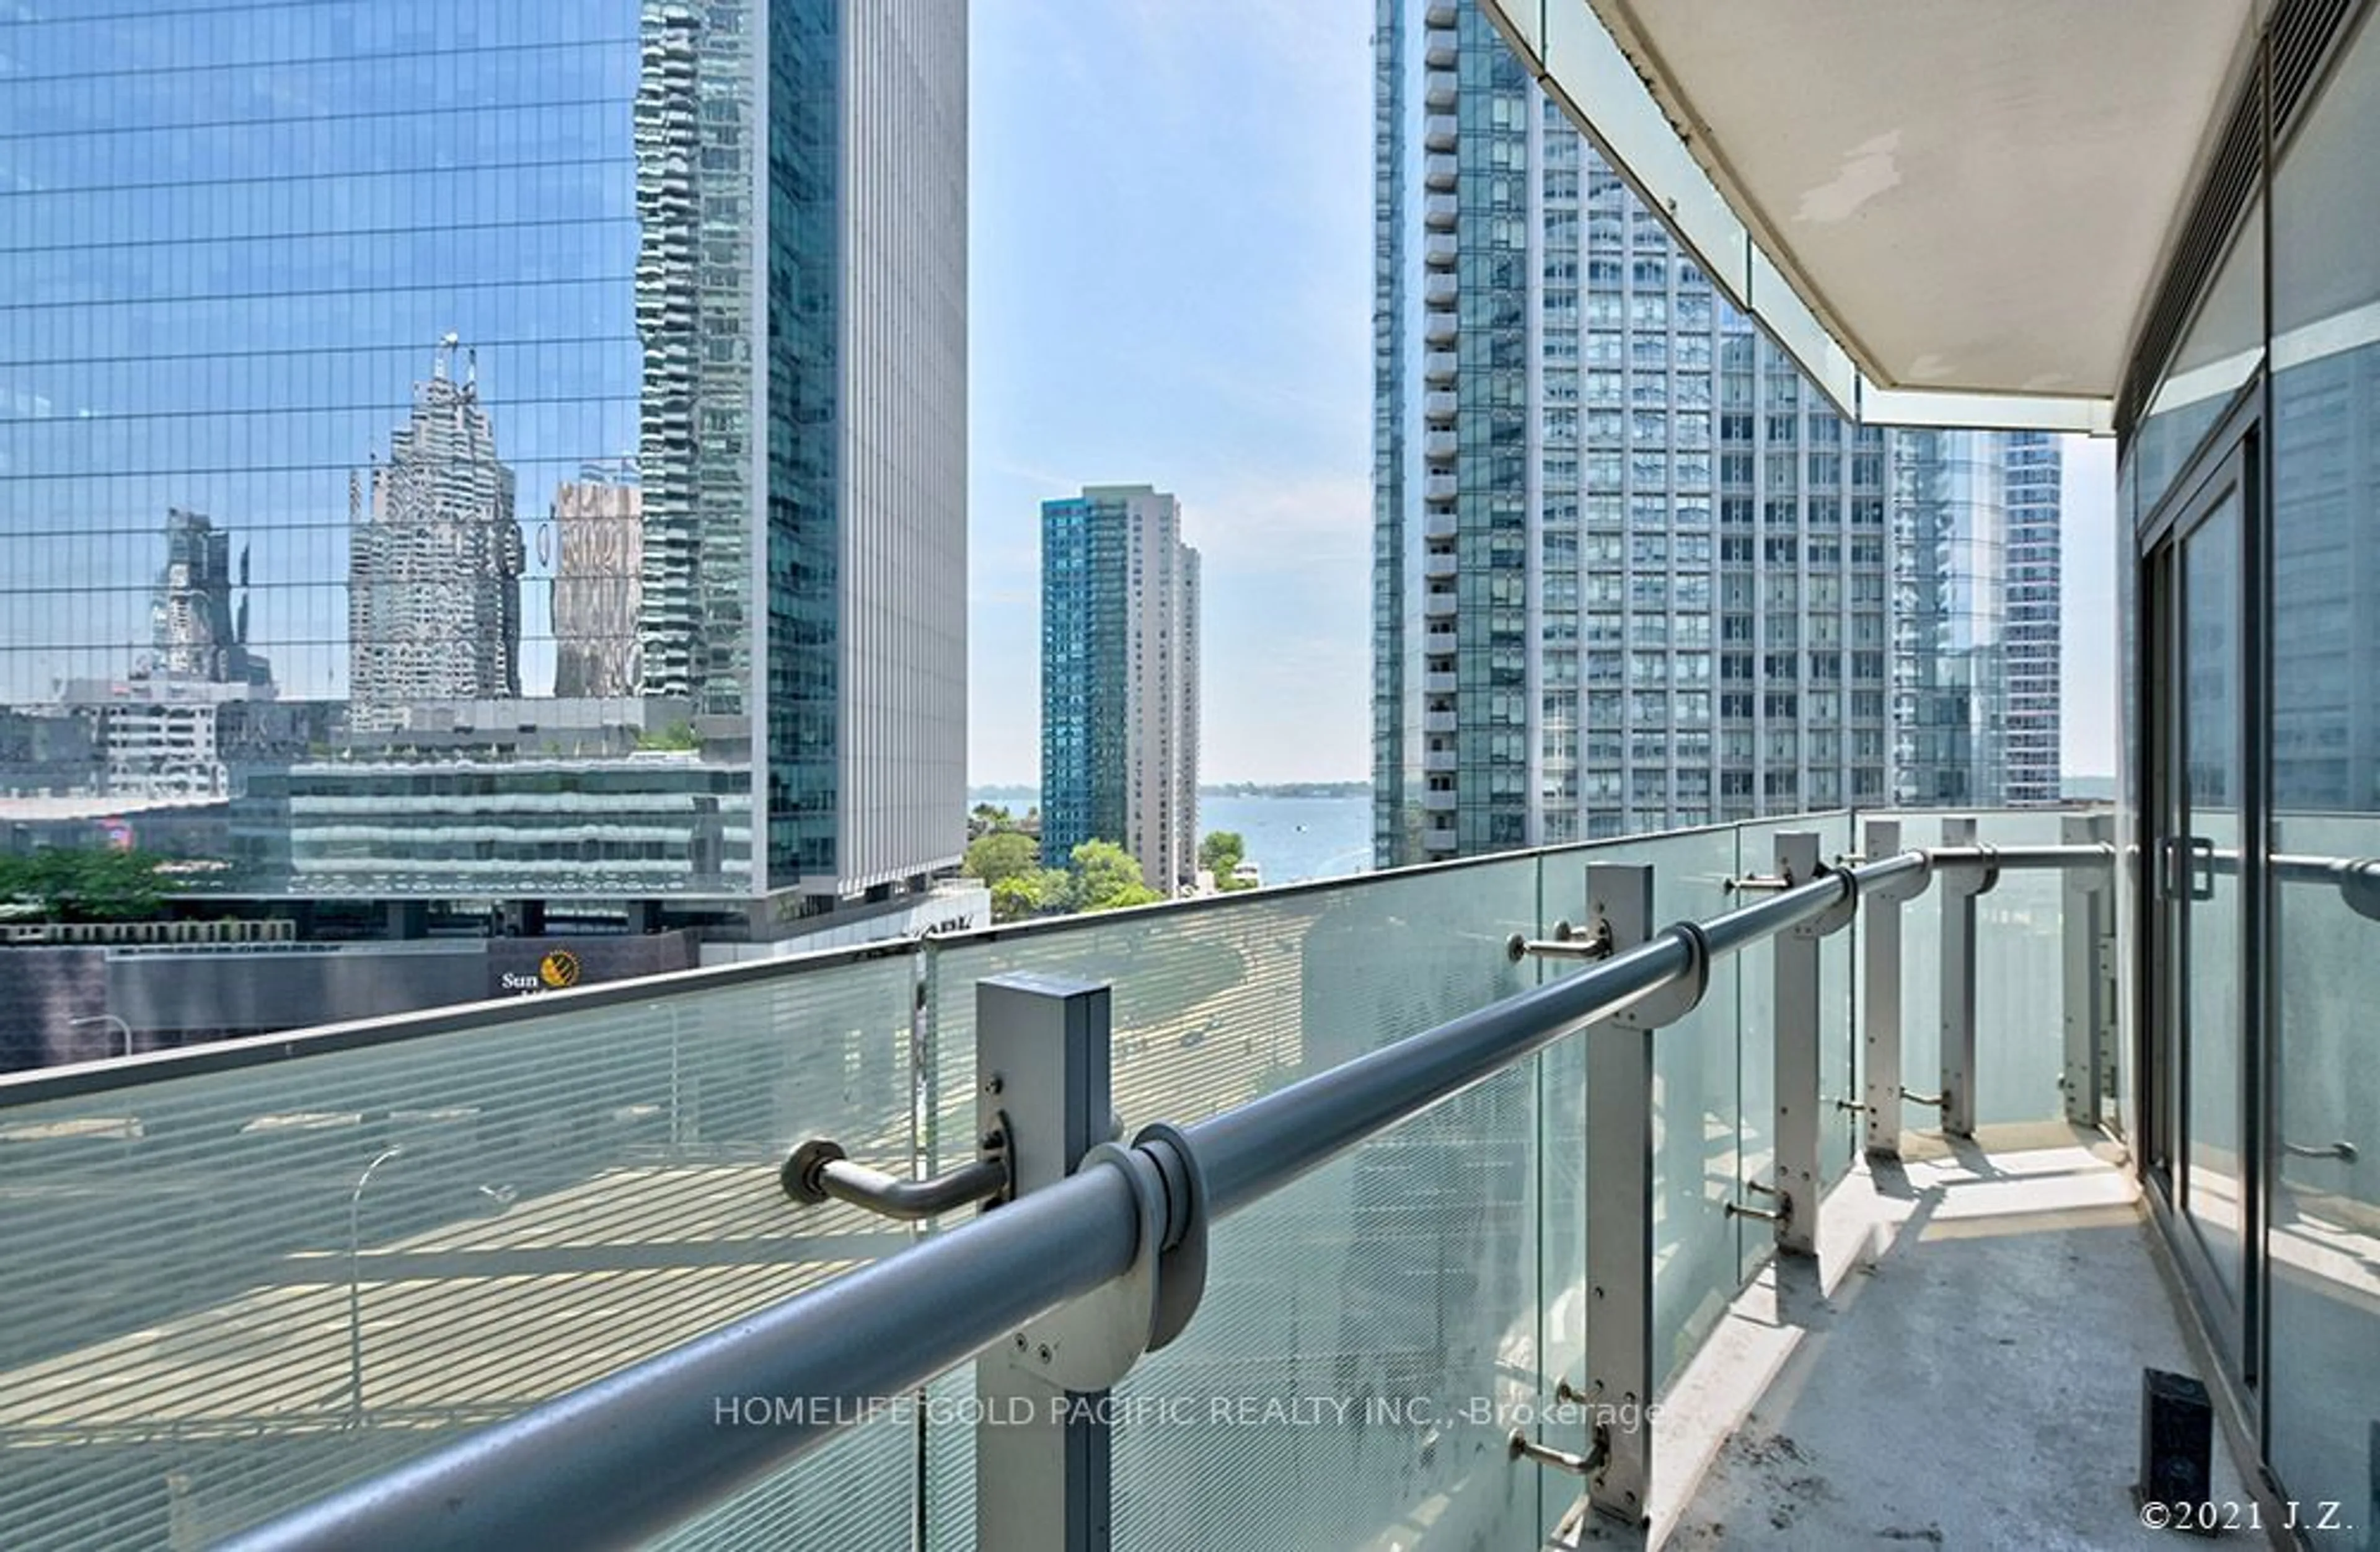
x=1402, y=1281
x=2019, y=979
x=367, y=1252
x=1366, y=1344
x=1695, y=1167
x=2020, y=976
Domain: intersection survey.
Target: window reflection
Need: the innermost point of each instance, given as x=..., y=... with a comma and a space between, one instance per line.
x=353, y=303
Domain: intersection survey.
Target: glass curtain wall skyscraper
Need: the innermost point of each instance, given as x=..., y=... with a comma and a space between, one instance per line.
x=1119, y=681
x=2036, y=587
x=1631, y=570
x=374, y=287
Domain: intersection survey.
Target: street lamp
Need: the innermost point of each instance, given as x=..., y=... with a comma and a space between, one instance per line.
x=355, y=1286
x=121, y=1027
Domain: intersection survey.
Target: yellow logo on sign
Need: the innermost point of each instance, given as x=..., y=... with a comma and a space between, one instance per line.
x=559, y=969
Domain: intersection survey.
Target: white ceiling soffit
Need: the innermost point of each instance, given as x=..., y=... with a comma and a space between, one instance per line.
x=1951, y=211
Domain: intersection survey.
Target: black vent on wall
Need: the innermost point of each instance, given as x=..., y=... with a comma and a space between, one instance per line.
x=2300, y=36
x=2232, y=180
x=2296, y=43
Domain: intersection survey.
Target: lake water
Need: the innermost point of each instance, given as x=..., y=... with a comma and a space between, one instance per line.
x=1292, y=838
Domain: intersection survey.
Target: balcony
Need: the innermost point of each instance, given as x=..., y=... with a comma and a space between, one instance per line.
x=1437, y=721
x=1439, y=211
x=1437, y=683
x=1440, y=169
x=1441, y=488
x=1438, y=408
x=1440, y=760
x=1438, y=368
x=1438, y=603
x=1439, y=328
x=1439, y=447
x=1438, y=132
x=438, y=1224
x=1439, y=250
x=1438, y=523
x=1441, y=290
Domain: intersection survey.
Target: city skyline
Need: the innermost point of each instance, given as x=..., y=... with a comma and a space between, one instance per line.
x=1268, y=414
x=1263, y=416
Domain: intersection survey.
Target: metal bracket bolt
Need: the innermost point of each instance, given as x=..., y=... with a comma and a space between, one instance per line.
x=1522, y=1448
x=1781, y=1213
x=1592, y=941
x=821, y=1171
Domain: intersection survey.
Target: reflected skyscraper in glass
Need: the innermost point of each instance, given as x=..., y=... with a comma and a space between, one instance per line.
x=375, y=289
x=434, y=560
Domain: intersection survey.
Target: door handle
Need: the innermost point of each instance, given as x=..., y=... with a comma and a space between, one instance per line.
x=2201, y=866
x=2344, y=1152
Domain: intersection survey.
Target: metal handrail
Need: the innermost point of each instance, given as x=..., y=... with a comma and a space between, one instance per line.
x=624, y=1458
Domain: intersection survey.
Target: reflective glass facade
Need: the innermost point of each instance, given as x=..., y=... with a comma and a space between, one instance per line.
x=1119, y=681
x=1950, y=654
x=2252, y=482
x=497, y=350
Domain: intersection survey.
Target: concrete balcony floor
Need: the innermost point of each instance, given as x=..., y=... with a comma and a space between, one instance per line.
x=1960, y=1369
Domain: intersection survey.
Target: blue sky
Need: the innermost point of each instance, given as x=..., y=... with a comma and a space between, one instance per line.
x=1170, y=284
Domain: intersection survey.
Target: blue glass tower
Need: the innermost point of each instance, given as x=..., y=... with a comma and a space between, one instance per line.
x=637, y=227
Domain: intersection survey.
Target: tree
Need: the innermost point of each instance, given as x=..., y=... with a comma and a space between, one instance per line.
x=1107, y=878
x=1001, y=854
x=1221, y=852
x=1037, y=892
x=81, y=883
x=986, y=818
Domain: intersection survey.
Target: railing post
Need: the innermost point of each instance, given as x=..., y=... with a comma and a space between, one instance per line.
x=2087, y=929
x=1620, y=1215
x=1795, y=1055
x=1960, y=886
x=1880, y=1000
x=1041, y=1465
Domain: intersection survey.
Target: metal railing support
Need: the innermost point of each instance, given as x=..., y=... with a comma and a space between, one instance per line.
x=1880, y=1000
x=1794, y=1051
x=1619, y=1376
x=2087, y=928
x=1960, y=888
x=1041, y=1465
x=1099, y=1258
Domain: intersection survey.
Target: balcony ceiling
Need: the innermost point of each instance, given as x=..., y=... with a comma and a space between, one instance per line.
x=1975, y=197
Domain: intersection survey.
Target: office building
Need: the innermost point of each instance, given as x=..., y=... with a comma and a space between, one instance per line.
x=726, y=241
x=1632, y=572
x=1120, y=680
x=1950, y=648
x=2034, y=588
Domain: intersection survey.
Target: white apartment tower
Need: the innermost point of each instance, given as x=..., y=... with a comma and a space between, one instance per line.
x=1631, y=571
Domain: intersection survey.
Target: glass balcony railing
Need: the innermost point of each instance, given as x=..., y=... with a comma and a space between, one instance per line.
x=247, y=1276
